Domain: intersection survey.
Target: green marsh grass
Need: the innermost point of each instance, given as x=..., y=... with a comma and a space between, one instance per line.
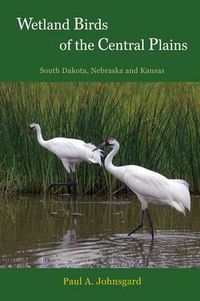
x=157, y=125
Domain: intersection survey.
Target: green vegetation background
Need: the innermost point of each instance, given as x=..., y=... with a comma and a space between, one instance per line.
x=157, y=125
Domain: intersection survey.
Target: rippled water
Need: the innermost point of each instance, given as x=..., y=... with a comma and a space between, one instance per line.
x=54, y=232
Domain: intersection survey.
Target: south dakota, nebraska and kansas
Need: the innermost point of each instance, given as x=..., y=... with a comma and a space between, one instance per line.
x=100, y=70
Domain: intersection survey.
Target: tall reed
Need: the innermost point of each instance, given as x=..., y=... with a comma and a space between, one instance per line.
x=157, y=125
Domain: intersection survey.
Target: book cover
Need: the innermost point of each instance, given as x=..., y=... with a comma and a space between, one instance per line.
x=99, y=152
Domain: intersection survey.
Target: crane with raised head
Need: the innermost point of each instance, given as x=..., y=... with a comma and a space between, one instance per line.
x=70, y=151
x=149, y=186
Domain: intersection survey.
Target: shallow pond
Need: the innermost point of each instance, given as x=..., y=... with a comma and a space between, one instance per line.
x=39, y=231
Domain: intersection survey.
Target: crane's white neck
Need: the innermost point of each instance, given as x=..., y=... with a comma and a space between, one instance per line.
x=108, y=161
x=39, y=135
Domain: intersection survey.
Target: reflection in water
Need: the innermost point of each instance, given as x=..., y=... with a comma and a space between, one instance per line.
x=93, y=233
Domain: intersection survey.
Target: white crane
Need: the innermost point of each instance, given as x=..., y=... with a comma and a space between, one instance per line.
x=70, y=151
x=149, y=186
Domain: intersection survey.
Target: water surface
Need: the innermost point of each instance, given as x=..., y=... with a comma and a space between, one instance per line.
x=54, y=232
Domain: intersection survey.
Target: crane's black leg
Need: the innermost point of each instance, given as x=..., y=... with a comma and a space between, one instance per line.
x=150, y=223
x=140, y=225
x=55, y=184
x=73, y=184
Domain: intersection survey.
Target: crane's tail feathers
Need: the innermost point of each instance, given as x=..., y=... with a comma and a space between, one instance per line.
x=95, y=156
x=181, y=195
x=182, y=182
x=90, y=146
x=179, y=207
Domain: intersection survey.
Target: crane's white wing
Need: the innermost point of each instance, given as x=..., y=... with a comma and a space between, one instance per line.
x=154, y=187
x=73, y=149
x=146, y=182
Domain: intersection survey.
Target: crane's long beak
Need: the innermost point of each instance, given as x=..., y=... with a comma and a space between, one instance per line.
x=102, y=145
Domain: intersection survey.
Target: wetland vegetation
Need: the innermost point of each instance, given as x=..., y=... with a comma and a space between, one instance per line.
x=157, y=125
